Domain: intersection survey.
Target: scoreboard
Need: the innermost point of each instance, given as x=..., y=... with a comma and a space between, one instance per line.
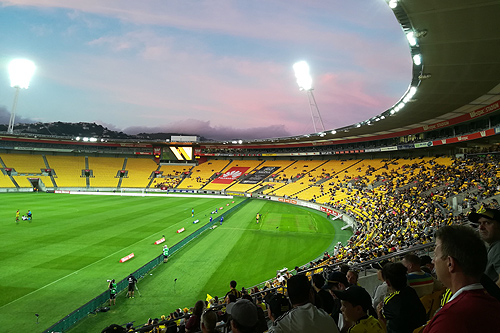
x=176, y=153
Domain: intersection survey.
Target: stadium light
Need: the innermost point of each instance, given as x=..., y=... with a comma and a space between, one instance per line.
x=20, y=72
x=417, y=59
x=411, y=38
x=393, y=3
x=304, y=81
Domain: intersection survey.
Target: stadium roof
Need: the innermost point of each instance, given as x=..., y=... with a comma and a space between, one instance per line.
x=461, y=52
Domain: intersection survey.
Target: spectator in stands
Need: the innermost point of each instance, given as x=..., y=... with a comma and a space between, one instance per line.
x=460, y=258
x=352, y=278
x=402, y=310
x=193, y=324
x=427, y=266
x=422, y=282
x=304, y=316
x=277, y=305
x=381, y=291
x=261, y=321
x=357, y=309
x=322, y=298
x=336, y=281
x=244, y=318
x=208, y=321
x=233, y=290
x=488, y=221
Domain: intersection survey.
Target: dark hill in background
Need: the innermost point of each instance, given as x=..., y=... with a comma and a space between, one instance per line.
x=85, y=130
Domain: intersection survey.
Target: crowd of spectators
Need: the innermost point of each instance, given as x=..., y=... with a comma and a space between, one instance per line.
x=414, y=202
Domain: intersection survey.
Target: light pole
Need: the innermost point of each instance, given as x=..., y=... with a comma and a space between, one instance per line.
x=20, y=71
x=304, y=81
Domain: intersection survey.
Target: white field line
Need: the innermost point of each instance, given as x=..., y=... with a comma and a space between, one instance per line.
x=209, y=196
x=75, y=272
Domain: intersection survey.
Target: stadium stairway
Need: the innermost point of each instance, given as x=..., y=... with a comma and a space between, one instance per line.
x=52, y=179
x=151, y=180
x=124, y=167
x=212, y=177
x=311, y=185
x=184, y=176
x=87, y=180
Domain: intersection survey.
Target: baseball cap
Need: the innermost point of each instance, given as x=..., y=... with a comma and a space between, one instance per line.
x=278, y=304
x=336, y=278
x=244, y=312
x=356, y=295
x=492, y=214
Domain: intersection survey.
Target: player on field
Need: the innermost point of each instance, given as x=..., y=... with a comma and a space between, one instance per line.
x=257, y=218
x=131, y=285
x=192, y=212
x=17, y=216
x=112, y=292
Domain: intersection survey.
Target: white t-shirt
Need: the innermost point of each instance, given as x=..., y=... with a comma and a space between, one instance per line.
x=305, y=318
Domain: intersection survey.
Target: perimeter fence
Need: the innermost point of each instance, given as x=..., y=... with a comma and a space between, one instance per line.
x=97, y=303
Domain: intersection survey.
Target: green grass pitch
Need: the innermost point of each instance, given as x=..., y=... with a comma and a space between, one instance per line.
x=62, y=259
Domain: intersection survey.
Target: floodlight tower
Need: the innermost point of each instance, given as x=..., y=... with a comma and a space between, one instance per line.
x=304, y=81
x=20, y=71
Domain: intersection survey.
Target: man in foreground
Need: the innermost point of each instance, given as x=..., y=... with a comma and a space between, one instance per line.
x=488, y=222
x=304, y=316
x=460, y=259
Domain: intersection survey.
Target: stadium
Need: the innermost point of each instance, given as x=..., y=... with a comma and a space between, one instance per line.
x=103, y=209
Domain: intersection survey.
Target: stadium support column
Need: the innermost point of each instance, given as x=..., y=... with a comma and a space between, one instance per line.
x=315, y=115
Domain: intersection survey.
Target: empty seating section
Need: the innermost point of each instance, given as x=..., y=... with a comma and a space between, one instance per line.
x=5, y=181
x=139, y=172
x=201, y=174
x=23, y=181
x=24, y=163
x=250, y=164
x=171, y=175
x=68, y=170
x=104, y=171
x=298, y=177
x=281, y=164
x=324, y=178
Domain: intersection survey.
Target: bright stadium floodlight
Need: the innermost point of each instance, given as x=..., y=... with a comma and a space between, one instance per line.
x=304, y=80
x=417, y=59
x=20, y=71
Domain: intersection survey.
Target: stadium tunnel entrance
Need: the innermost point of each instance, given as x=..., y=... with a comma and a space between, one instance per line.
x=38, y=185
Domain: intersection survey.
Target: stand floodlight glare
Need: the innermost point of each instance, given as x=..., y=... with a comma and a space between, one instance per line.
x=304, y=81
x=20, y=71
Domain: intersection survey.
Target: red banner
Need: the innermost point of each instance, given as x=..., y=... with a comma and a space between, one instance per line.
x=130, y=256
x=231, y=175
x=159, y=241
